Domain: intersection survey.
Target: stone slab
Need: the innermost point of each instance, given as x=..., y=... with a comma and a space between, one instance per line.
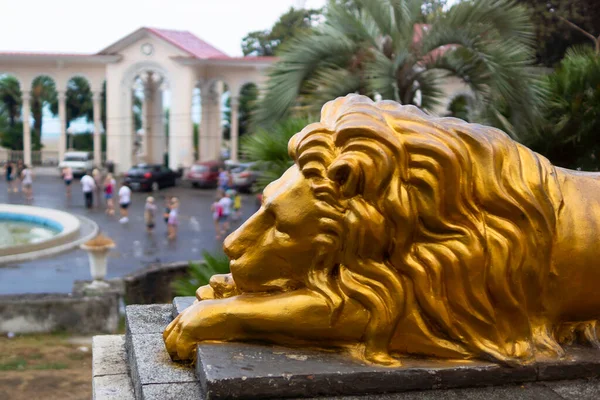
x=579, y=362
x=146, y=319
x=172, y=391
x=181, y=303
x=243, y=370
x=112, y=387
x=154, y=364
x=108, y=355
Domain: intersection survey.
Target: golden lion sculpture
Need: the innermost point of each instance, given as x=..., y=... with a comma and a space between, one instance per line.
x=399, y=233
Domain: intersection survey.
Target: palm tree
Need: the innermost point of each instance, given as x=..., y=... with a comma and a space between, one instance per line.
x=10, y=98
x=571, y=121
x=269, y=149
x=43, y=92
x=383, y=49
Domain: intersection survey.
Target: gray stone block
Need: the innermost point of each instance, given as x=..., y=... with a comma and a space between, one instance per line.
x=181, y=303
x=108, y=355
x=242, y=370
x=112, y=387
x=150, y=363
x=172, y=391
x=579, y=362
x=145, y=319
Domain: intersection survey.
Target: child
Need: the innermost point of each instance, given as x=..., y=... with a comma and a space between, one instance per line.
x=217, y=213
x=237, y=206
x=124, y=201
x=149, y=213
x=225, y=202
x=173, y=221
x=109, y=189
x=167, y=209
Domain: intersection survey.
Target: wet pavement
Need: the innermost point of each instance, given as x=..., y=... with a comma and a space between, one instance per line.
x=135, y=248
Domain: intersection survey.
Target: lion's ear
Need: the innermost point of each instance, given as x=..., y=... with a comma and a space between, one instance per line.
x=347, y=174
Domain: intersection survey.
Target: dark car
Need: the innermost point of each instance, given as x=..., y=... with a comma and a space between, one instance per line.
x=204, y=174
x=150, y=177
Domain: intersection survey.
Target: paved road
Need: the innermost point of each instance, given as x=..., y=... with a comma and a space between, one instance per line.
x=135, y=248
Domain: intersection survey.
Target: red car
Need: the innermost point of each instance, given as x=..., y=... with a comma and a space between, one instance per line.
x=205, y=174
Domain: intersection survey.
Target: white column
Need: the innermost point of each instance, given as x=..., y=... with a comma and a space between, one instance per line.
x=181, y=148
x=96, y=97
x=159, y=140
x=234, y=101
x=204, y=125
x=62, y=116
x=148, y=110
x=26, y=96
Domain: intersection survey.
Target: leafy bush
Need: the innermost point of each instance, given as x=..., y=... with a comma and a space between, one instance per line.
x=571, y=121
x=199, y=273
x=269, y=149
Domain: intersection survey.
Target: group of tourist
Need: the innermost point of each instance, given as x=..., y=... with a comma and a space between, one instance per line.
x=227, y=205
x=96, y=188
x=19, y=173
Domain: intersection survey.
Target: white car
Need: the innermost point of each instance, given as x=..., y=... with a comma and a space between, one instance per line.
x=79, y=161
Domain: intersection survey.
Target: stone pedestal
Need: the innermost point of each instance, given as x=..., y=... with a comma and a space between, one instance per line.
x=257, y=371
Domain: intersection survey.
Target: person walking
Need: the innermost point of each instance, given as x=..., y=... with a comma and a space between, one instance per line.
x=226, y=204
x=237, y=206
x=88, y=185
x=173, y=221
x=9, y=170
x=217, y=214
x=150, y=214
x=109, y=191
x=124, y=202
x=223, y=180
x=27, y=183
x=67, y=175
x=19, y=174
x=167, y=209
x=97, y=175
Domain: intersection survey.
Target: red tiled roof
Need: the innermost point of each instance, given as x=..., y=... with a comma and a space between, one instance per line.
x=189, y=43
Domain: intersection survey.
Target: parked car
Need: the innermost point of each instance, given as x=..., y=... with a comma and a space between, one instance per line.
x=244, y=176
x=204, y=174
x=150, y=177
x=79, y=161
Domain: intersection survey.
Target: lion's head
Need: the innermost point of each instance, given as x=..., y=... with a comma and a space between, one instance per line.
x=432, y=220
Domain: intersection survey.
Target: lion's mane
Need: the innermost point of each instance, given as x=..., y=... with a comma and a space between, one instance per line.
x=449, y=222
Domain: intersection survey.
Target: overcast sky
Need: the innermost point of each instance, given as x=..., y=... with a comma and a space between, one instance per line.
x=83, y=26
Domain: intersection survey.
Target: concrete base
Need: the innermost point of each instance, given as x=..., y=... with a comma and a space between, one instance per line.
x=256, y=371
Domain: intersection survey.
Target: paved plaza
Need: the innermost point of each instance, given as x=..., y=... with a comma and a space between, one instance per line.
x=135, y=248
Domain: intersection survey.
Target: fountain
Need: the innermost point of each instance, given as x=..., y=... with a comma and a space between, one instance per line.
x=32, y=232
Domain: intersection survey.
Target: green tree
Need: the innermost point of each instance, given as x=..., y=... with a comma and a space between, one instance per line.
x=43, y=94
x=10, y=99
x=553, y=34
x=266, y=43
x=571, y=121
x=381, y=50
x=247, y=106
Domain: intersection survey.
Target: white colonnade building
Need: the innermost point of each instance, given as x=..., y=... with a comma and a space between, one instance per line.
x=157, y=61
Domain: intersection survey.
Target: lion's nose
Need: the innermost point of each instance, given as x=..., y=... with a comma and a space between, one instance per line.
x=247, y=235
